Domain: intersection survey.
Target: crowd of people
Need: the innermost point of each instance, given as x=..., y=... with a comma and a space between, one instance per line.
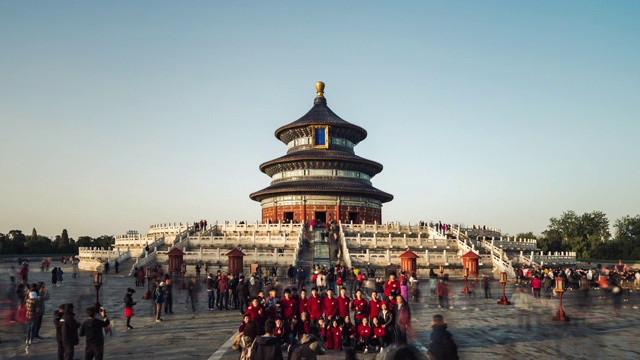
x=361, y=321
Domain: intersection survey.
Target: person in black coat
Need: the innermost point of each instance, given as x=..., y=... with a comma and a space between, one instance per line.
x=267, y=347
x=69, y=331
x=441, y=343
x=57, y=316
x=92, y=329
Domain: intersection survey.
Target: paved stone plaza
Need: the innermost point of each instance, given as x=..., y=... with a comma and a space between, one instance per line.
x=482, y=329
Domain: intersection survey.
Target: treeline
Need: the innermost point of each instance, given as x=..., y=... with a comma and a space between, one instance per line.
x=589, y=235
x=15, y=242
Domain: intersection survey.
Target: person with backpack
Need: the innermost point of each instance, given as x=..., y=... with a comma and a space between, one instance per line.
x=158, y=299
x=441, y=343
x=247, y=338
x=266, y=347
x=309, y=347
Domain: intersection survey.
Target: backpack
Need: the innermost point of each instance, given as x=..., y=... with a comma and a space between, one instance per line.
x=303, y=352
x=245, y=354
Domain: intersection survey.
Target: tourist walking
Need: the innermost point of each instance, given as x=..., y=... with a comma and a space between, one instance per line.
x=116, y=265
x=59, y=274
x=31, y=316
x=12, y=274
x=191, y=294
x=403, y=320
x=54, y=276
x=486, y=287
x=168, y=295
x=158, y=299
x=128, y=307
x=57, y=316
x=441, y=343
x=43, y=295
x=92, y=329
x=211, y=295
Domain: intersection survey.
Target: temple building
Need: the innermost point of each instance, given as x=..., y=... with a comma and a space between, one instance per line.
x=321, y=178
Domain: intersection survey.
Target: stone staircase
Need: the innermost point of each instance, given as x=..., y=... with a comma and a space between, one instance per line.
x=124, y=267
x=306, y=255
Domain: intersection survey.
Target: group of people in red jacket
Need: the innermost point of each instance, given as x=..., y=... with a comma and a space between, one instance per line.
x=357, y=322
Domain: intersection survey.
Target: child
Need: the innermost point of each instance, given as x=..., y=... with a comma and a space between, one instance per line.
x=278, y=332
x=364, y=333
x=291, y=331
x=325, y=333
x=378, y=334
x=336, y=334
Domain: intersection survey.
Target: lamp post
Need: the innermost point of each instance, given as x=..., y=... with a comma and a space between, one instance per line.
x=503, y=280
x=441, y=269
x=147, y=295
x=560, y=315
x=97, y=283
x=184, y=271
x=466, y=276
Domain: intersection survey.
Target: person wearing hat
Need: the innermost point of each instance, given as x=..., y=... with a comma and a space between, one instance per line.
x=128, y=306
x=31, y=316
x=69, y=330
x=158, y=299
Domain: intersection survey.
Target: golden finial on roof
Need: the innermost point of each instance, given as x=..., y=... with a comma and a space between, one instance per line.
x=320, y=89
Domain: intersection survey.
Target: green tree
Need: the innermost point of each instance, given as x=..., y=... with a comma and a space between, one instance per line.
x=627, y=235
x=526, y=235
x=579, y=233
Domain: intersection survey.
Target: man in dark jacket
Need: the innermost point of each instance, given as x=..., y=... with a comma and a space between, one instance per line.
x=243, y=295
x=267, y=347
x=69, y=331
x=57, y=316
x=441, y=343
x=92, y=329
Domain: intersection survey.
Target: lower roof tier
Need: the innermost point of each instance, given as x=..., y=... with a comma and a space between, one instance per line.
x=325, y=187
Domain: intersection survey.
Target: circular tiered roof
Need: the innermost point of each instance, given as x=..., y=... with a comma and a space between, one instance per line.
x=348, y=175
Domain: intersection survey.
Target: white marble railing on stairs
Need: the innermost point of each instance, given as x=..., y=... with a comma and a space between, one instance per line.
x=346, y=257
x=539, y=258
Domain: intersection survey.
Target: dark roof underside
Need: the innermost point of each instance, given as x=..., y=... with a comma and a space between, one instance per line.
x=322, y=187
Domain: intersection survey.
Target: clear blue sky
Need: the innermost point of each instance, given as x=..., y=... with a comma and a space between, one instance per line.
x=115, y=115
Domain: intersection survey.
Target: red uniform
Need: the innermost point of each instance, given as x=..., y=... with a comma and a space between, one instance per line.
x=326, y=334
x=315, y=308
x=303, y=305
x=378, y=332
x=374, y=308
x=330, y=307
x=289, y=308
x=255, y=313
x=390, y=286
x=336, y=338
x=343, y=306
x=364, y=331
x=278, y=331
x=303, y=327
x=360, y=308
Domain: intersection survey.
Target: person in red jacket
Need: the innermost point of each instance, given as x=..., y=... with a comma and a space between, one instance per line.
x=278, y=332
x=364, y=334
x=343, y=304
x=349, y=333
x=360, y=307
x=315, y=305
x=379, y=334
x=391, y=286
x=256, y=313
x=336, y=335
x=330, y=306
x=325, y=333
x=288, y=306
x=375, y=305
x=291, y=330
x=303, y=302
